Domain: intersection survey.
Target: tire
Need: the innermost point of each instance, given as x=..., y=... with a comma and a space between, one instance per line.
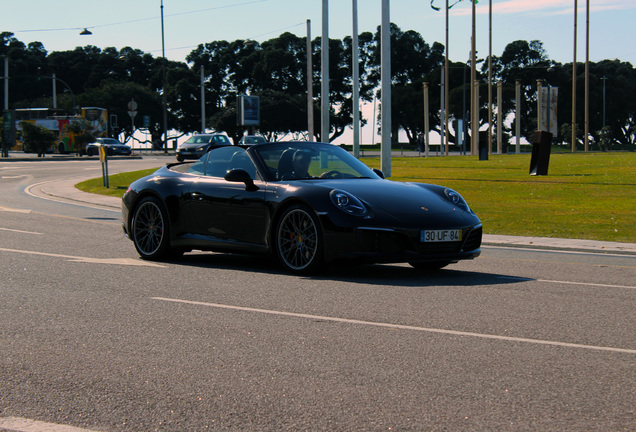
x=298, y=242
x=429, y=266
x=179, y=159
x=151, y=230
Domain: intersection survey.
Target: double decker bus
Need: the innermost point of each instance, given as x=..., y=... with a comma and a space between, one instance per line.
x=56, y=121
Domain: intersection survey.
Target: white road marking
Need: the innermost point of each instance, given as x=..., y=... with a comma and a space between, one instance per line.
x=20, y=231
x=399, y=326
x=582, y=251
x=112, y=261
x=566, y=282
x=19, y=424
x=14, y=177
x=59, y=199
x=13, y=210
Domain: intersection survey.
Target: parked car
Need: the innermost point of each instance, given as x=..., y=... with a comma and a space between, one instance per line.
x=113, y=147
x=252, y=139
x=197, y=145
x=309, y=204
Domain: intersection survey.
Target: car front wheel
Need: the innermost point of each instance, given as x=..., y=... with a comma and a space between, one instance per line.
x=299, y=240
x=150, y=229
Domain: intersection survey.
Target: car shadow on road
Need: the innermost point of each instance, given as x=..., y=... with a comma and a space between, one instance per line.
x=371, y=274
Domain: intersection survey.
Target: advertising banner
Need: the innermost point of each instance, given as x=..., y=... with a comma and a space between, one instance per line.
x=248, y=110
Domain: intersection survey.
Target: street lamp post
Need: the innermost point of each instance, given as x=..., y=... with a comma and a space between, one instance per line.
x=164, y=98
x=604, y=78
x=54, y=79
x=385, y=56
x=356, y=82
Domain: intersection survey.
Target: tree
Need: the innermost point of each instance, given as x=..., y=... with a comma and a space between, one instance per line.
x=115, y=96
x=36, y=138
x=81, y=130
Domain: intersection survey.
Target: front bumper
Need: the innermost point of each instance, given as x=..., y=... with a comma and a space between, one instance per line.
x=400, y=245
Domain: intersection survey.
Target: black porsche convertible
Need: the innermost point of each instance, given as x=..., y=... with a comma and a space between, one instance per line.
x=309, y=204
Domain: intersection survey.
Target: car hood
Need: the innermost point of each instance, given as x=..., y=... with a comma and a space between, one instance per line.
x=190, y=146
x=399, y=200
x=398, y=197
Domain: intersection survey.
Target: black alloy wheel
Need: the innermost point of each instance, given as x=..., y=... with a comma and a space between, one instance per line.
x=150, y=229
x=299, y=240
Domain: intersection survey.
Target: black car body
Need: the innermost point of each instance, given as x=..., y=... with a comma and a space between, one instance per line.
x=197, y=145
x=250, y=199
x=113, y=147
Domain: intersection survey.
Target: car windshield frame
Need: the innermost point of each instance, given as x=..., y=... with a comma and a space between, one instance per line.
x=276, y=159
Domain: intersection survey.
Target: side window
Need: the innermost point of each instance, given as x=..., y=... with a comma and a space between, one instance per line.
x=198, y=168
x=222, y=159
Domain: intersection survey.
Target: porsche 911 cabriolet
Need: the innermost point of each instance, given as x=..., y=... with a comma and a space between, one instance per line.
x=309, y=204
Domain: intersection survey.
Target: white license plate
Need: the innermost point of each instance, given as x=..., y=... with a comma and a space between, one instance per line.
x=430, y=236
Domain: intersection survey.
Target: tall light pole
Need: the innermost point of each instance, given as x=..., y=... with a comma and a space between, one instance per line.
x=518, y=116
x=202, y=99
x=356, y=83
x=426, y=124
x=164, y=98
x=324, y=63
x=474, y=117
x=587, y=76
x=604, y=78
x=576, y=6
x=310, y=86
x=386, y=87
x=446, y=82
x=490, y=78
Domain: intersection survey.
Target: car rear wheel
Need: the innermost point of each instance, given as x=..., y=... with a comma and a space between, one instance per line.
x=429, y=266
x=299, y=240
x=150, y=229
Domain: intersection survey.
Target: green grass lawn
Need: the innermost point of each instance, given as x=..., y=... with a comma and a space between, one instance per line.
x=585, y=196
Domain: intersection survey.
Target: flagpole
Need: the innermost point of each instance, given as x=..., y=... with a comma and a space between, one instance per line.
x=446, y=83
x=473, y=77
x=576, y=6
x=490, y=78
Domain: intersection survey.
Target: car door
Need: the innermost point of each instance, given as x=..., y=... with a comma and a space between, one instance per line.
x=227, y=212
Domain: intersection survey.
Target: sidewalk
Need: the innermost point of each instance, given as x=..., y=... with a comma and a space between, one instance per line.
x=65, y=190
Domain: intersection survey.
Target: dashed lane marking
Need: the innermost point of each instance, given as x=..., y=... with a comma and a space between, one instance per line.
x=566, y=282
x=14, y=210
x=19, y=424
x=20, y=231
x=400, y=327
x=78, y=259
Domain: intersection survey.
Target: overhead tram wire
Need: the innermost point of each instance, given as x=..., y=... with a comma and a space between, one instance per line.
x=144, y=19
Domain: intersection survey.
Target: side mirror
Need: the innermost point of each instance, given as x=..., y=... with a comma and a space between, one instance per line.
x=378, y=172
x=241, y=176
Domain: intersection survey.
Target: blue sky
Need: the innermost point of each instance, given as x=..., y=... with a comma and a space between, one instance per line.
x=187, y=23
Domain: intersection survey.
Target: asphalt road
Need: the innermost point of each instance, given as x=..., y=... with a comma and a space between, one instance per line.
x=93, y=338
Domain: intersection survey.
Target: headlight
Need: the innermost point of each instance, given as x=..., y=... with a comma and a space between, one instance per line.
x=348, y=203
x=456, y=199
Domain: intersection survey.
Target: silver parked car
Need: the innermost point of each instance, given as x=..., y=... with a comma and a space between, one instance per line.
x=197, y=145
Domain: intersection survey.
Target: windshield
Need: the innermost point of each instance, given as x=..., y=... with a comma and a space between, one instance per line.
x=109, y=141
x=308, y=160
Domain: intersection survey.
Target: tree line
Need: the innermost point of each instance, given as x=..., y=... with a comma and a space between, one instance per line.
x=275, y=70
